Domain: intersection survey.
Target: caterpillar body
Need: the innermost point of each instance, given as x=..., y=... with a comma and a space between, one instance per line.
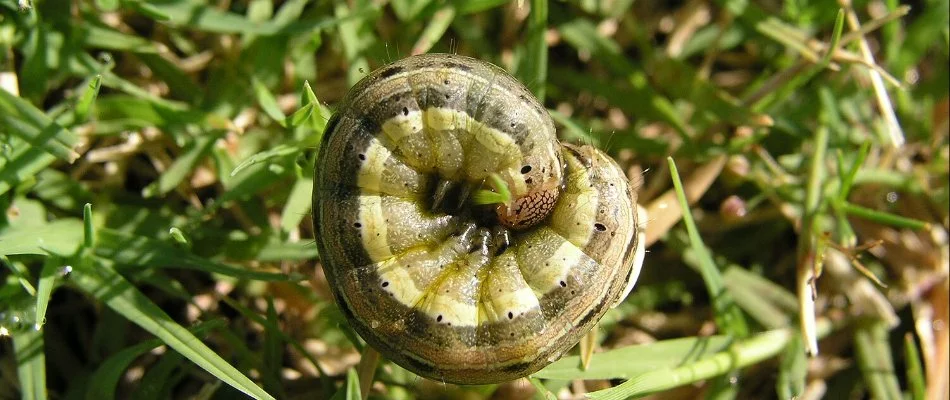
x=452, y=290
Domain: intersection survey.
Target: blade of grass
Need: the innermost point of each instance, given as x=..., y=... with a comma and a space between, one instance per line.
x=141, y=253
x=434, y=30
x=45, y=286
x=742, y=354
x=268, y=102
x=104, y=381
x=793, y=370
x=298, y=203
x=62, y=236
x=915, y=371
x=88, y=96
x=884, y=218
x=182, y=166
x=895, y=134
x=533, y=64
x=615, y=363
x=874, y=360
x=160, y=378
x=808, y=266
x=23, y=120
x=107, y=286
x=28, y=348
x=21, y=273
x=728, y=317
x=540, y=391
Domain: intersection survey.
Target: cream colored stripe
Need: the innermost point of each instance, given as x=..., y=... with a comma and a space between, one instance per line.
x=371, y=170
x=412, y=126
x=374, y=231
x=446, y=310
x=556, y=269
x=394, y=278
x=517, y=303
x=403, y=125
x=576, y=211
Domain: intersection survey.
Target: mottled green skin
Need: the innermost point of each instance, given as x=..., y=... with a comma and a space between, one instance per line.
x=553, y=282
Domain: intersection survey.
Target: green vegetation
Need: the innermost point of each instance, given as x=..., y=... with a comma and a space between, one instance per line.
x=156, y=164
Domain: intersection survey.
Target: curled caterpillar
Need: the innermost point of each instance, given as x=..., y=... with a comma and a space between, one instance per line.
x=453, y=290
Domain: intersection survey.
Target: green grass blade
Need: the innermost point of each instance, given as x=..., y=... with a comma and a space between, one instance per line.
x=44, y=290
x=62, y=237
x=874, y=360
x=114, y=290
x=915, y=371
x=141, y=253
x=268, y=102
x=435, y=29
x=20, y=118
x=280, y=151
x=744, y=353
x=884, y=218
x=729, y=318
x=298, y=203
x=615, y=363
x=87, y=97
x=105, y=379
x=180, y=169
x=28, y=348
x=533, y=65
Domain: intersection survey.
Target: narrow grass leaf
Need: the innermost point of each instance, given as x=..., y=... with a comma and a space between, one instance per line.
x=741, y=354
x=352, y=385
x=181, y=168
x=501, y=195
x=160, y=378
x=87, y=97
x=474, y=6
x=915, y=371
x=793, y=370
x=21, y=273
x=874, y=360
x=29, y=348
x=729, y=318
x=141, y=253
x=770, y=305
x=763, y=287
x=88, y=230
x=572, y=130
x=765, y=313
x=408, y=10
x=276, y=250
x=268, y=102
x=615, y=363
x=105, y=379
x=540, y=391
x=21, y=119
x=300, y=116
x=110, y=39
x=62, y=237
x=884, y=218
x=114, y=290
x=147, y=10
x=298, y=203
x=283, y=150
x=533, y=64
x=435, y=29
x=44, y=289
